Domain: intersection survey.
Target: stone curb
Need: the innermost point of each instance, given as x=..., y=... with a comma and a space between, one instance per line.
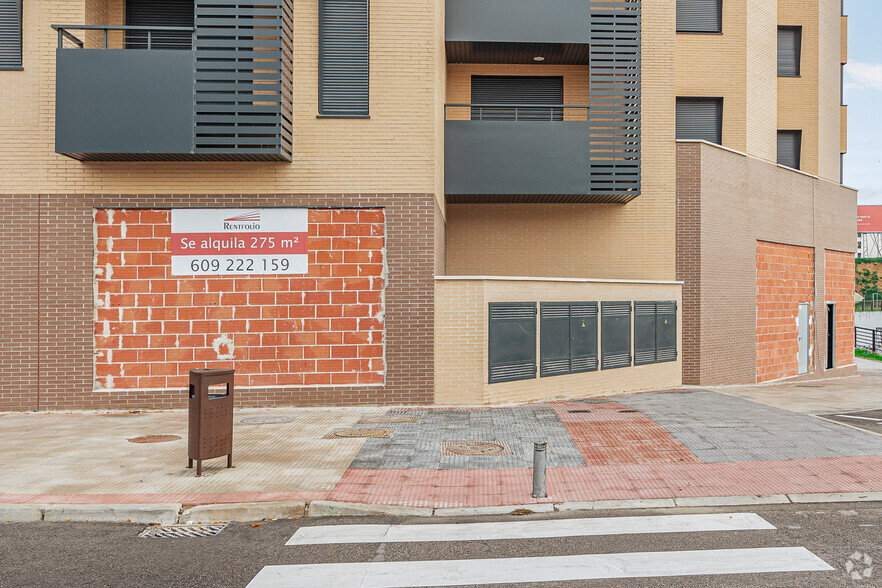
x=243, y=512
x=112, y=513
x=258, y=511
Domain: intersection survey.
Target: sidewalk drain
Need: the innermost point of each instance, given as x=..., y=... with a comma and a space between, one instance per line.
x=572, y=411
x=477, y=448
x=629, y=410
x=594, y=401
x=266, y=420
x=177, y=531
x=376, y=433
x=154, y=439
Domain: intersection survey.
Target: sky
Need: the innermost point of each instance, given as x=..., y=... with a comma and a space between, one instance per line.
x=863, y=95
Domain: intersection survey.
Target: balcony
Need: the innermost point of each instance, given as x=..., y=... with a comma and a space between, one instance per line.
x=218, y=91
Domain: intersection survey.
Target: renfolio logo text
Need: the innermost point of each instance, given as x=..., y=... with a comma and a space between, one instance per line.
x=247, y=221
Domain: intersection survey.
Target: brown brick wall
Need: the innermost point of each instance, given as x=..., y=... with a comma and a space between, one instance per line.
x=741, y=200
x=67, y=311
x=839, y=290
x=784, y=279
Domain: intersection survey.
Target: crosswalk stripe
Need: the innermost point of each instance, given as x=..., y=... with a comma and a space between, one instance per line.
x=327, y=534
x=541, y=569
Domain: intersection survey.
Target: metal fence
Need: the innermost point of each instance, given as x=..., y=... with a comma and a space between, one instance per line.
x=868, y=305
x=870, y=339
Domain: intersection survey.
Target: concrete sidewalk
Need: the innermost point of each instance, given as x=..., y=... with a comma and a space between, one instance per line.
x=676, y=444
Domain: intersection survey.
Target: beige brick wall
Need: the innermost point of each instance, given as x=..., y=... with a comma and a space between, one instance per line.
x=623, y=241
x=461, y=319
x=811, y=102
x=396, y=151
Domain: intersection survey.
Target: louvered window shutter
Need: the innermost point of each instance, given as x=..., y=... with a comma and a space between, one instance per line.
x=539, y=90
x=344, y=60
x=10, y=34
x=159, y=13
x=512, y=341
x=789, y=147
x=789, y=49
x=699, y=16
x=701, y=119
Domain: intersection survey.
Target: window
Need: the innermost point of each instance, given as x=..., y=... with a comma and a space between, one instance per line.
x=344, y=61
x=615, y=335
x=789, y=147
x=512, y=341
x=699, y=16
x=700, y=119
x=568, y=338
x=10, y=35
x=655, y=332
x=159, y=13
x=517, y=90
x=789, y=48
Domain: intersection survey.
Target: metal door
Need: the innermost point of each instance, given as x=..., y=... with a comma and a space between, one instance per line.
x=803, y=337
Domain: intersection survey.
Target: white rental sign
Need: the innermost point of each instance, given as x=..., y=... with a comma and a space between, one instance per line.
x=232, y=241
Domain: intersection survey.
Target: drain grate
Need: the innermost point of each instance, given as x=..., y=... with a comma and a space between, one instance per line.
x=629, y=410
x=154, y=439
x=578, y=411
x=475, y=448
x=367, y=433
x=177, y=531
x=593, y=401
x=389, y=419
x=266, y=420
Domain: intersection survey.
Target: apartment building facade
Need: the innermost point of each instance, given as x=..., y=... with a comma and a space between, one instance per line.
x=468, y=202
x=869, y=231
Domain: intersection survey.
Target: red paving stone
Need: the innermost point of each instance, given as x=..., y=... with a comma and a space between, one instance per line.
x=608, y=436
x=452, y=488
x=189, y=499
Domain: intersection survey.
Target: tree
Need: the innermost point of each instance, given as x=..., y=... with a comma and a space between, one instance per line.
x=867, y=283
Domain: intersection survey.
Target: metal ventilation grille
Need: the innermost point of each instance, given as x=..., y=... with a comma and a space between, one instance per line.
x=568, y=341
x=243, y=78
x=615, y=119
x=615, y=320
x=655, y=332
x=10, y=34
x=511, y=341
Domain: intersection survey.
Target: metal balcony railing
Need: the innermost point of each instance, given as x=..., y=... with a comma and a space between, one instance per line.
x=134, y=37
x=516, y=112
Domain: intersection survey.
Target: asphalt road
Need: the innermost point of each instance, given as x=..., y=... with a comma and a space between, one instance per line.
x=95, y=554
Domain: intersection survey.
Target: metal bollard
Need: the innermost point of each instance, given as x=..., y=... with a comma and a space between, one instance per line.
x=539, y=458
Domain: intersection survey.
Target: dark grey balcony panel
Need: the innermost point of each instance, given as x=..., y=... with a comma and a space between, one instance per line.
x=516, y=157
x=520, y=21
x=112, y=101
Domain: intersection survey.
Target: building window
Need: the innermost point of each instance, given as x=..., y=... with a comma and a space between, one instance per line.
x=789, y=49
x=700, y=119
x=517, y=90
x=160, y=13
x=789, y=148
x=10, y=35
x=344, y=61
x=699, y=16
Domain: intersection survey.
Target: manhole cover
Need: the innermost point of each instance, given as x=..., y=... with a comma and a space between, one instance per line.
x=579, y=411
x=266, y=420
x=479, y=448
x=367, y=433
x=389, y=419
x=175, y=531
x=154, y=439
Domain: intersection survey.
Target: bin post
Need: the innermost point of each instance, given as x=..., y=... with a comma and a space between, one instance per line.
x=210, y=431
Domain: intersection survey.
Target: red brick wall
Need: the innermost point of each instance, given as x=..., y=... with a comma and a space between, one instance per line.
x=839, y=289
x=325, y=328
x=785, y=277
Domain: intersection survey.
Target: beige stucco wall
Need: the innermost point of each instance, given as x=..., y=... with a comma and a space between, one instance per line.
x=398, y=150
x=461, y=323
x=623, y=241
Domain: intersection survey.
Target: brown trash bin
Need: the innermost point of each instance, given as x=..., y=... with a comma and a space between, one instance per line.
x=211, y=417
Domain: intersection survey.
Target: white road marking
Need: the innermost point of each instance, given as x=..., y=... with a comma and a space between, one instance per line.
x=851, y=416
x=541, y=569
x=528, y=529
